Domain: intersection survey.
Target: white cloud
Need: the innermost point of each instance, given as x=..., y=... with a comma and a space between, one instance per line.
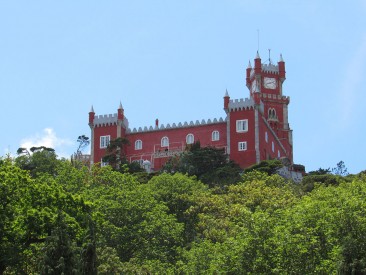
x=49, y=139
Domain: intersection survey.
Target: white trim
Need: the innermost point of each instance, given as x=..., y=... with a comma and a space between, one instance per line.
x=138, y=144
x=242, y=125
x=164, y=142
x=215, y=135
x=190, y=139
x=104, y=141
x=242, y=146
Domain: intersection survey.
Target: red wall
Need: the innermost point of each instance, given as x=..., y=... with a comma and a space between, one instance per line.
x=266, y=147
x=248, y=157
x=102, y=131
x=151, y=141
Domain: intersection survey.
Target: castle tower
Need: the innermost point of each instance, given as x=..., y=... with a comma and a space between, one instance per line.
x=265, y=82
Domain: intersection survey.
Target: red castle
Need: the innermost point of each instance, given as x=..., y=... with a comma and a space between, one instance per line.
x=255, y=128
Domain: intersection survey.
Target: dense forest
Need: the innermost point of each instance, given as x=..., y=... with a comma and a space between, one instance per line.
x=201, y=215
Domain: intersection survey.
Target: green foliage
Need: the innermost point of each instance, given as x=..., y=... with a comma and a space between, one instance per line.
x=208, y=164
x=43, y=160
x=340, y=169
x=269, y=167
x=69, y=220
x=115, y=152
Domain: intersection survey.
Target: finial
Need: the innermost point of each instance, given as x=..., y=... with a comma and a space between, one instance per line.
x=281, y=59
x=226, y=93
x=249, y=65
x=120, y=106
x=257, y=56
x=91, y=109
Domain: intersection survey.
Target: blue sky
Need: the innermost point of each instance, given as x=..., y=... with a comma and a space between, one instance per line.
x=173, y=60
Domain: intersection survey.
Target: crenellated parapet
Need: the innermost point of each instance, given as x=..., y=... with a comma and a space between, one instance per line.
x=275, y=97
x=168, y=126
x=110, y=119
x=241, y=104
x=270, y=68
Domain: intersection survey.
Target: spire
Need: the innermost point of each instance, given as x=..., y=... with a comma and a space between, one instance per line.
x=257, y=56
x=91, y=109
x=226, y=93
x=281, y=59
x=249, y=65
x=120, y=106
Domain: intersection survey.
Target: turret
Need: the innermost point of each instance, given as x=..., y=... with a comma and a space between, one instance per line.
x=257, y=64
x=226, y=101
x=120, y=112
x=91, y=116
x=249, y=70
x=281, y=68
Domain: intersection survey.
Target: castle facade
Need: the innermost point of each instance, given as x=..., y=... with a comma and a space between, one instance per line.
x=253, y=129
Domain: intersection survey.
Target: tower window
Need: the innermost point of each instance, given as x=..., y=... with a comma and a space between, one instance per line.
x=165, y=142
x=189, y=138
x=242, y=145
x=215, y=135
x=242, y=125
x=138, y=144
x=266, y=136
x=104, y=141
x=272, y=146
x=278, y=154
x=272, y=113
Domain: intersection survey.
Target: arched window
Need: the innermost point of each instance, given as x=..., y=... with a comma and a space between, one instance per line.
x=190, y=139
x=138, y=144
x=266, y=136
x=272, y=113
x=273, y=147
x=165, y=142
x=215, y=135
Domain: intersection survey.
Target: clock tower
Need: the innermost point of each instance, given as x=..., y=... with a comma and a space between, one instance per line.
x=265, y=82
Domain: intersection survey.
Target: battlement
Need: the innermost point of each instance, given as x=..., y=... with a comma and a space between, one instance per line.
x=111, y=119
x=270, y=68
x=105, y=119
x=241, y=104
x=275, y=97
x=162, y=127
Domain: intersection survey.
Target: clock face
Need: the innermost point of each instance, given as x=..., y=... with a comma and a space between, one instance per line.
x=270, y=83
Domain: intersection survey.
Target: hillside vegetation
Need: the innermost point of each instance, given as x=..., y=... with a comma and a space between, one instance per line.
x=58, y=217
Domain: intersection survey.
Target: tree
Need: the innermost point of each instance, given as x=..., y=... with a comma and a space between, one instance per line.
x=115, y=152
x=269, y=167
x=42, y=160
x=83, y=142
x=340, y=169
x=209, y=164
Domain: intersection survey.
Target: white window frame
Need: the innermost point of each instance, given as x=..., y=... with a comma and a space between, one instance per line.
x=164, y=142
x=273, y=147
x=104, y=141
x=215, y=136
x=103, y=163
x=190, y=139
x=242, y=146
x=138, y=144
x=242, y=126
x=278, y=154
x=266, y=136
